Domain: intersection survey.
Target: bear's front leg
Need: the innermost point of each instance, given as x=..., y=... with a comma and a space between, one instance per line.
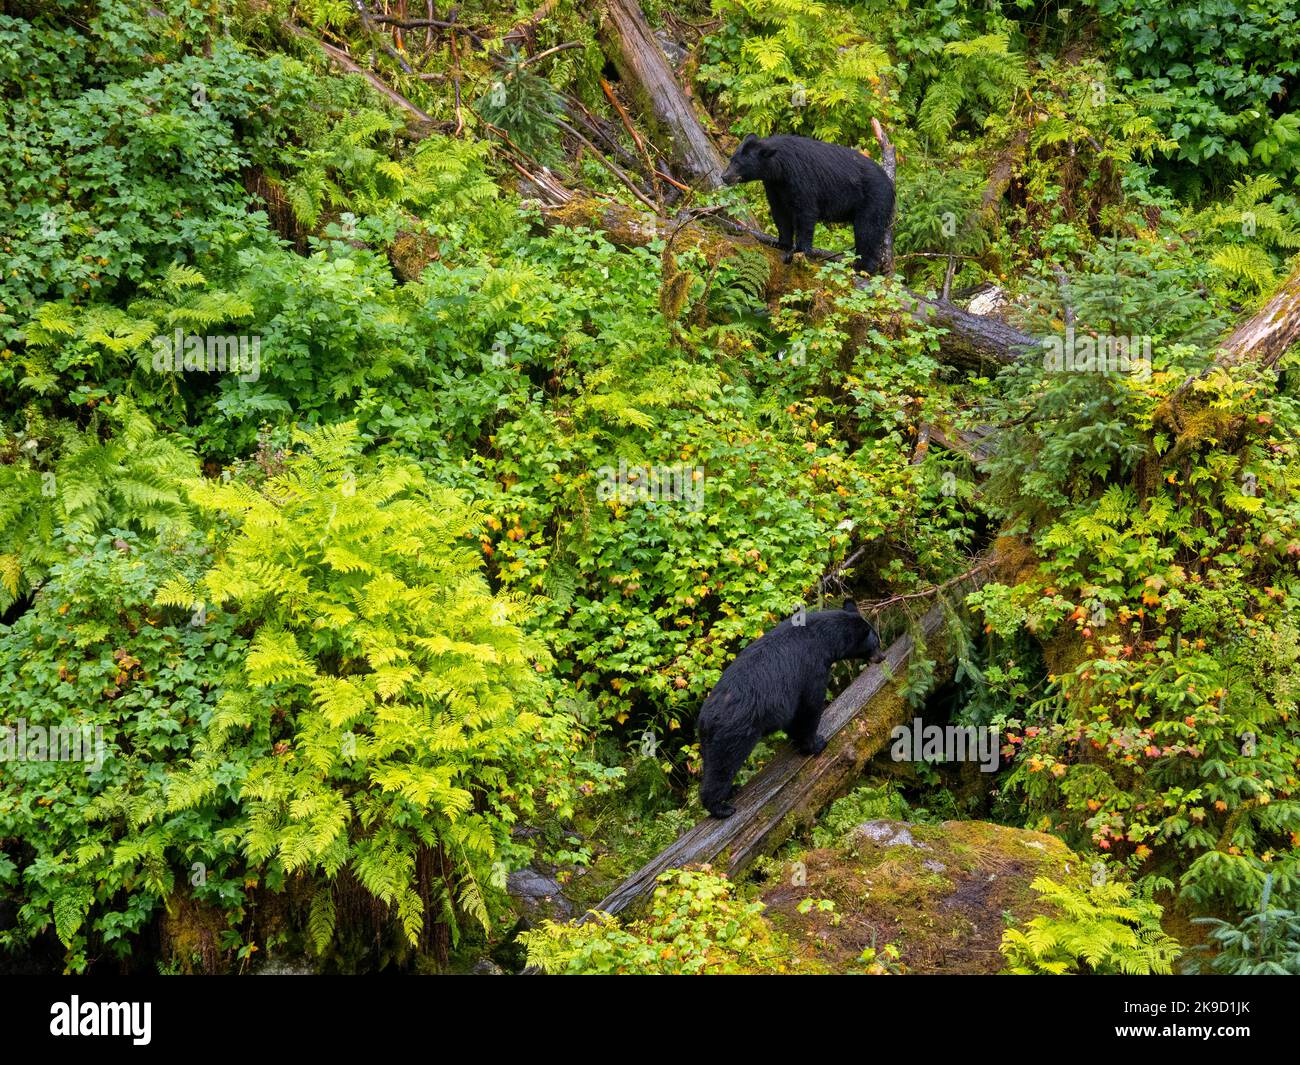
x=869, y=229
x=785, y=233
x=785, y=237
x=813, y=747
x=805, y=223
x=782, y=216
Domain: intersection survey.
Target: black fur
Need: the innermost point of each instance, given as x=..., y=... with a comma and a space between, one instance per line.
x=809, y=181
x=777, y=683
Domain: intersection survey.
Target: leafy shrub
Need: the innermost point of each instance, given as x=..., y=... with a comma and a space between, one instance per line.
x=105, y=183
x=91, y=848
x=1167, y=729
x=983, y=74
x=796, y=66
x=695, y=927
x=1226, y=66
x=339, y=701
x=117, y=473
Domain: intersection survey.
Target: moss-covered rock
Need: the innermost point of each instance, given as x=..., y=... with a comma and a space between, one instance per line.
x=941, y=894
x=411, y=251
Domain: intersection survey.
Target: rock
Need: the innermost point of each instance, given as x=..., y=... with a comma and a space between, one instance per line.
x=530, y=884
x=487, y=967
x=938, y=893
x=537, y=896
x=286, y=967
x=886, y=833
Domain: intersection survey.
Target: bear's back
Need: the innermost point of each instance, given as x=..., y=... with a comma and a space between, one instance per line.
x=822, y=157
x=838, y=182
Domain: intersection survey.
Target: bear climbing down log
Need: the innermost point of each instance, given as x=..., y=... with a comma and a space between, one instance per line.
x=777, y=684
x=809, y=181
x=791, y=788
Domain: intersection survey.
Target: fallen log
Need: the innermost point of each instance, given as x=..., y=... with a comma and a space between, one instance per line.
x=644, y=69
x=970, y=342
x=1262, y=340
x=792, y=788
x=977, y=443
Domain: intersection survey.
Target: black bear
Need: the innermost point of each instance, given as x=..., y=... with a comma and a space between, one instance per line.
x=777, y=683
x=809, y=181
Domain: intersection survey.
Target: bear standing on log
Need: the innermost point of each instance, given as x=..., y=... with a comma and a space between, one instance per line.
x=809, y=181
x=777, y=683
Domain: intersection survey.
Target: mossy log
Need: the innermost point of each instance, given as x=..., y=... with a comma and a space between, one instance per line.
x=1262, y=340
x=792, y=788
x=970, y=342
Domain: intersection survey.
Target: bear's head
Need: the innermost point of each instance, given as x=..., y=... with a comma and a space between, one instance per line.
x=750, y=161
x=868, y=645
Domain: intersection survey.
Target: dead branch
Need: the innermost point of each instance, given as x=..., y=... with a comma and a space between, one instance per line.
x=345, y=62
x=889, y=164
x=368, y=25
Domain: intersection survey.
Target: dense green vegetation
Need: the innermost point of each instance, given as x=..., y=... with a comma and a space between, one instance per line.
x=357, y=618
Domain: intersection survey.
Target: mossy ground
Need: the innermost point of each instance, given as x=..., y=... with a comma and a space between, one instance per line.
x=944, y=904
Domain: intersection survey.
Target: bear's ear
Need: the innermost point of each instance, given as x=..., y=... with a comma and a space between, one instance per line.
x=747, y=140
x=850, y=606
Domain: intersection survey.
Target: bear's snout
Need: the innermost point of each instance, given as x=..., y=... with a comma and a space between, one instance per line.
x=730, y=177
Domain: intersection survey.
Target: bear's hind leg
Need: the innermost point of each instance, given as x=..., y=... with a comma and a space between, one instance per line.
x=723, y=757
x=803, y=729
x=869, y=240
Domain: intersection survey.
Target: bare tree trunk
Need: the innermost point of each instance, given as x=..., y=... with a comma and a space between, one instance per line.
x=889, y=164
x=644, y=69
x=1266, y=336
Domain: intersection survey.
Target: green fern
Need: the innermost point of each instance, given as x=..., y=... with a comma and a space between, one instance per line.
x=119, y=473
x=982, y=74
x=1097, y=928
x=408, y=697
